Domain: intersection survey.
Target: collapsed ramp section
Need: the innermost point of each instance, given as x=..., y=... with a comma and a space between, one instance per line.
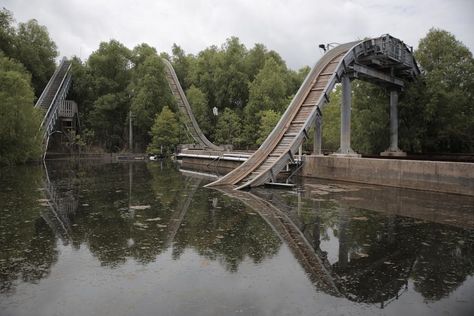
x=183, y=105
x=290, y=132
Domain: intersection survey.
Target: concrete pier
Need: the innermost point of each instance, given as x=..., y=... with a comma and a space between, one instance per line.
x=448, y=177
x=435, y=176
x=346, y=104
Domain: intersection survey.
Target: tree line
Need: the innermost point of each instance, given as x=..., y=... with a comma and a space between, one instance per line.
x=242, y=84
x=27, y=61
x=249, y=87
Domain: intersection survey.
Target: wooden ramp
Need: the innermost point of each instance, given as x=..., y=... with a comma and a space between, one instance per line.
x=189, y=120
x=292, y=129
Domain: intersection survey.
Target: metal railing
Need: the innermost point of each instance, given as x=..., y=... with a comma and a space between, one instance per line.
x=57, y=86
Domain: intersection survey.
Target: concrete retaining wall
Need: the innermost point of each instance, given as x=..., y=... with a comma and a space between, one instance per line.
x=449, y=177
x=211, y=164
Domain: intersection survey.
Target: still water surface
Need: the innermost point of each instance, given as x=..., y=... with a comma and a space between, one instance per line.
x=147, y=239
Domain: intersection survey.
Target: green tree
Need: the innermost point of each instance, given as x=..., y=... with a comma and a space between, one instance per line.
x=369, y=119
x=109, y=72
x=7, y=32
x=150, y=91
x=141, y=52
x=202, y=73
x=269, y=91
x=255, y=60
x=444, y=97
x=82, y=90
x=181, y=64
x=268, y=121
x=20, y=134
x=110, y=68
x=230, y=79
x=37, y=52
x=296, y=78
x=165, y=132
x=332, y=121
x=229, y=128
x=370, y=122
x=201, y=110
x=108, y=120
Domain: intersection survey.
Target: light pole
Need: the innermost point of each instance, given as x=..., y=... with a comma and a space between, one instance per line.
x=328, y=46
x=130, y=132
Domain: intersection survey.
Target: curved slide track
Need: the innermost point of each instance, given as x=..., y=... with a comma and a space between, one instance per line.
x=293, y=127
x=183, y=105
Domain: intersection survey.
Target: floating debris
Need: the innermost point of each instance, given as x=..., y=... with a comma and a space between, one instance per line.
x=140, y=207
x=360, y=218
x=350, y=198
x=140, y=225
x=153, y=219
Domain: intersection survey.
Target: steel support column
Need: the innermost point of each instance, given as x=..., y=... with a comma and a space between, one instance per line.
x=345, y=145
x=393, y=121
x=393, y=150
x=318, y=135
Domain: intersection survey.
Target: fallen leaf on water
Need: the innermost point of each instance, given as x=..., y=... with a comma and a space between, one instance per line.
x=140, y=207
x=361, y=218
x=153, y=219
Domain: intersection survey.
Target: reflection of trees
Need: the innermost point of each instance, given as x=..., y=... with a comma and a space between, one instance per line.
x=276, y=217
x=27, y=245
x=116, y=226
x=129, y=211
x=379, y=253
x=224, y=232
x=444, y=259
x=136, y=210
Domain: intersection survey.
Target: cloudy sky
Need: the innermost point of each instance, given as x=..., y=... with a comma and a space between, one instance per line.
x=292, y=28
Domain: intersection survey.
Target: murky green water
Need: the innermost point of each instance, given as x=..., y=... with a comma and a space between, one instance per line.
x=147, y=239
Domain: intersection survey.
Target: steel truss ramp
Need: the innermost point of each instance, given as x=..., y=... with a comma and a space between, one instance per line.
x=51, y=98
x=383, y=54
x=190, y=122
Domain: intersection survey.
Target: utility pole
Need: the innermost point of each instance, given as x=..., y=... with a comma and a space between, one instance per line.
x=130, y=133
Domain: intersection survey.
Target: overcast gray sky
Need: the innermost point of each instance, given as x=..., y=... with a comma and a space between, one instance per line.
x=292, y=28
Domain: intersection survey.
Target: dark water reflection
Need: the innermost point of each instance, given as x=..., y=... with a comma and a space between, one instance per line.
x=144, y=238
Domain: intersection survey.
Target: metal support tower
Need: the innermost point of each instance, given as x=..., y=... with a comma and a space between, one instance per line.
x=393, y=150
x=346, y=104
x=318, y=134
